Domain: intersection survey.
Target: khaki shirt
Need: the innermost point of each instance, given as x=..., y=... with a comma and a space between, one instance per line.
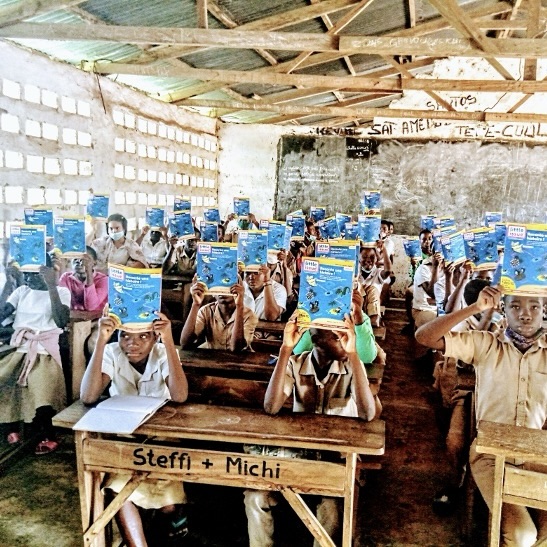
x=217, y=333
x=511, y=386
x=334, y=395
x=108, y=252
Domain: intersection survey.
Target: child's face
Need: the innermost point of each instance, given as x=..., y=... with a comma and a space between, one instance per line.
x=426, y=241
x=524, y=314
x=384, y=231
x=137, y=345
x=328, y=342
x=368, y=259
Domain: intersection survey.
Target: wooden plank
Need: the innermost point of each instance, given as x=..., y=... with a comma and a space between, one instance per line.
x=78, y=333
x=533, y=30
x=349, y=498
x=17, y=11
x=209, y=389
x=216, y=467
x=529, y=485
x=201, y=7
x=495, y=521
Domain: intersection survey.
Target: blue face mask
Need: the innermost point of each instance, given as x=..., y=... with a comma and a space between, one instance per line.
x=116, y=236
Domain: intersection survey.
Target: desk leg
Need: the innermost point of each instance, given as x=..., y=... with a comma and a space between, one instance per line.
x=85, y=480
x=79, y=331
x=349, y=496
x=495, y=524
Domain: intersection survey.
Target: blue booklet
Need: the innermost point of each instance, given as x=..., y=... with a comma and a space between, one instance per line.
x=180, y=224
x=328, y=228
x=40, y=217
x=69, y=236
x=446, y=224
x=182, y=204
x=492, y=217
x=134, y=296
x=27, y=246
x=242, y=206
x=216, y=266
x=428, y=222
x=155, y=217
x=412, y=247
x=209, y=231
x=481, y=247
x=371, y=203
x=524, y=269
x=453, y=248
x=276, y=234
x=500, y=230
x=287, y=237
x=325, y=292
x=342, y=219
x=97, y=206
x=252, y=248
x=318, y=213
x=340, y=249
x=298, y=225
x=351, y=230
x=211, y=214
x=369, y=229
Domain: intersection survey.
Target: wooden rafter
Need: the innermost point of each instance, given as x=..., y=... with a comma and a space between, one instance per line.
x=534, y=8
x=18, y=11
x=201, y=6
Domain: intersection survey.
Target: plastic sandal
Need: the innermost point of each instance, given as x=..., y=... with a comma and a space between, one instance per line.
x=14, y=438
x=46, y=447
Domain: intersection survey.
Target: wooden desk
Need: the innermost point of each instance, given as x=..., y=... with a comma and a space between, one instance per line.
x=292, y=477
x=79, y=328
x=513, y=484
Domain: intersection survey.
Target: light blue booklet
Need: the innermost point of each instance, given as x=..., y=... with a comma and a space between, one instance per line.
x=524, y=269
x=69, y=236
x=369, y=229
x=180, y=224
x=412, y=247
x=340, y=249
x=242, y=206
x=252, y=248
x=351, y=230
x=211, y=214
x=325, y=292
x=27, y=246
x=216, y=266
x=209, y=231
x=182, y=204
x=453, y=248
x=155, y=217
x=97, y=206
x=298, y=225
x=134, y=296
x=342, y=219
x=40, y=217
x=428, y=222
x=481, y=247
x=328, y=228
x=276, y=234
x=492, y=217
x=318, y=213
x=371, y=203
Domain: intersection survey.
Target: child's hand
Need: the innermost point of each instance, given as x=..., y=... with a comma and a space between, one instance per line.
x=162, y=327
x=49, y=275
x=265, y=270
x=292, y=332
x=489, y=297
x=238, y=291
x=107, y=325
x=357, y=301
x=197, y=290
x=282, y=256
x=347, y=336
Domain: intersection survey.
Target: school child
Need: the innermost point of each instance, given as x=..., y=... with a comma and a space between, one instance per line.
x=372, y=275
x=280, y=272
x=32, y=384
x=139, y=365
x=429, y=289
x=224, y=324
x=511, y=388
x=264, y=296
x=329, y=379
x=386, y=230
x=154, y=246
x=13, y=278
x=116, y=247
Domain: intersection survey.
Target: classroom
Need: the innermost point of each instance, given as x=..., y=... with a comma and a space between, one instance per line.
x=353, y=130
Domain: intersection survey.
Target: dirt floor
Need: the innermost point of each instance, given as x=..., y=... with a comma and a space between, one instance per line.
x=39, y=504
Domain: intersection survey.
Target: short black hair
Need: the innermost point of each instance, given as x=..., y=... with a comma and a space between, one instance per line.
x=473, y=289
x=424, y=231
x=91, y=252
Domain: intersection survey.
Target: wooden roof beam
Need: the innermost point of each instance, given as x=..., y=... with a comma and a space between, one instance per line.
x=530, y=65
x=19, y=11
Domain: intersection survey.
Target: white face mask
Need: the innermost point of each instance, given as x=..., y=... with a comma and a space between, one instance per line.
x=116, y=236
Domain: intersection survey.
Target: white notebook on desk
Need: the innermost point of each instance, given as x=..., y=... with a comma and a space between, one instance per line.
x=120, y=414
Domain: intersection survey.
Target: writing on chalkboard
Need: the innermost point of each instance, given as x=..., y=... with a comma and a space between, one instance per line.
x=360, y=148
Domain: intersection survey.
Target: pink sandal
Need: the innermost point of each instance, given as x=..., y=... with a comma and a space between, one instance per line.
x=46, y=447
x=14, y=438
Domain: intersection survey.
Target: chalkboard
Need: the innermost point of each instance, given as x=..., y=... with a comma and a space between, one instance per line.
x=460, y=179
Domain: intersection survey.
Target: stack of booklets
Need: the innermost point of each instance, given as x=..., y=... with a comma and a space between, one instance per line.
x=121, y=414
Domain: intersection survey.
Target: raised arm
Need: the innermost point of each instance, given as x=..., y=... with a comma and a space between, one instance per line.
x=188, y=335
x=142, y=235
x=237, y=341
x=455, y=298
x=432, y=333
x=272, y=310
x=275, y=395
x=386, y=271
x=60, y=312
x=176, y=381
x=429, y=286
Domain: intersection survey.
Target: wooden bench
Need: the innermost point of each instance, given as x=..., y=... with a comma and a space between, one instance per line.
x=514, y=484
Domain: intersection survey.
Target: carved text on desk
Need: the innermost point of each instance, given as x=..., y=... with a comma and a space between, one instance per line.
x=216, y=467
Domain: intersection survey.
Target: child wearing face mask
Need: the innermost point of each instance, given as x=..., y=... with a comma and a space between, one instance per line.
x=32, y=384
x=116, y=247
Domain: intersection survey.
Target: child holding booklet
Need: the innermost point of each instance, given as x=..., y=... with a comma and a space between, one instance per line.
x=139, y=365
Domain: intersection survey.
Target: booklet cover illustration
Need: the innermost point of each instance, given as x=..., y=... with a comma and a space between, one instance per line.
x=216, y=266
x=27, y=246
x=492, y=217
x=69, y=236
x=428, y=222
x=325, y=292
x=242, y=206
x=446, y=224
x=209, y=231
x=342, y=219
x=298, y=225
x=340, y=250
x=211, y=214
x=182, y=204
x=412, y=247
x=453, y=248
x=328, y=228
x=134, y=296
x=276, y=234
x=500, y=230
x=371, y=203
x=524, y=269
x=180, y=224
x=40, y=217
x=351, y=230
x=97, y=206
x=318, y=213
x=481, y=247
x=252, y=248
x=155, y=217
x=369, y=229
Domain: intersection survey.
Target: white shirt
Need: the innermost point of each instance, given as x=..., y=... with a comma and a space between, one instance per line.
x=257, y=304
x=128, y=381
x=423, y=275
x=154, y=254
x=374, y=279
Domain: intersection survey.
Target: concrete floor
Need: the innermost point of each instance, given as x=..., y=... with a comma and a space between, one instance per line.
x=39, y=504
